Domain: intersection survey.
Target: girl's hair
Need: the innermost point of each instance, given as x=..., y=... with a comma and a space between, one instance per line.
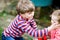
x=24, y=6
x=57, y=14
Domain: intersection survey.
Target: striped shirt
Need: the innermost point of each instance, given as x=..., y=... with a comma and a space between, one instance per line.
x=19, y=26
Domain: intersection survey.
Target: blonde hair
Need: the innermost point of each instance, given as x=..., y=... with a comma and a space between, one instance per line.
x=25, y=6
x=57, y=14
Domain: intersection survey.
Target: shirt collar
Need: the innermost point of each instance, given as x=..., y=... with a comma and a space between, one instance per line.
x=21, y=18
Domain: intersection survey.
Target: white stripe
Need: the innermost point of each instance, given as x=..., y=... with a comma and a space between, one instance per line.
x=39, y=33
x=10, y=30
x=42, y=32
x=15, y=21
x=24, y=27
x=46, y=31
x=30, y=31
x=21, y=25
x=19, y=22
x=17, y=30
x=35, y=33
x=14, y=31
x=28, y=28
x=4, y=33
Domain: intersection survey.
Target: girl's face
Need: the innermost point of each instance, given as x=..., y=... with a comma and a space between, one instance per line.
x=54, y=19
x=28, y=15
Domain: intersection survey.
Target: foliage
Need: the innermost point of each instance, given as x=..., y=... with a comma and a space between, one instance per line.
x=1, y=33
x=3, y=13
x=45, y=12
x=27, y=37
x=10, y=9
x=43, y=15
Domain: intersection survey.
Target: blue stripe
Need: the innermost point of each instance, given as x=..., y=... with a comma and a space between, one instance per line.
x=37, y=33
x=41, y=33
x=15, y=24
x=28, y=30
x=13, y=32
x=16, y=21
x=20, y=23
x=22, y=26
x=14, y=29
x=31, y=32
x=33, y=35
x=18, y=17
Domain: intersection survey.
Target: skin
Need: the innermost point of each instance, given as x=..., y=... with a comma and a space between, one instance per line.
x=28, y=15
x=54, y=19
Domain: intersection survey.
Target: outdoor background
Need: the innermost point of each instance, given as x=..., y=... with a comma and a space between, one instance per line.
x=8, y=12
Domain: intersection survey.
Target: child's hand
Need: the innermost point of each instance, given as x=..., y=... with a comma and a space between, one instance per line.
x=53, y=26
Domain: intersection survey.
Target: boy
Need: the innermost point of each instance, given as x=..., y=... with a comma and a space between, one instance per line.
x=24, y=23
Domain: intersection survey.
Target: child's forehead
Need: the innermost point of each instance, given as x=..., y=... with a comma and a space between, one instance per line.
x=55, y=17
x=56, y=13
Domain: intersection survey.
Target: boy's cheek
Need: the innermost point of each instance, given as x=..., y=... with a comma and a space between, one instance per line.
x=30, y=18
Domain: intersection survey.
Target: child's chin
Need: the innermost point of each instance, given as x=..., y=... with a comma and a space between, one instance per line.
x=30, y=18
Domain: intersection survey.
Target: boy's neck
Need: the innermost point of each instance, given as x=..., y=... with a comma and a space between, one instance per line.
x=24, y=18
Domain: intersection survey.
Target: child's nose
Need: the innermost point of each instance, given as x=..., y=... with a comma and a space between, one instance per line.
x=32, y=14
